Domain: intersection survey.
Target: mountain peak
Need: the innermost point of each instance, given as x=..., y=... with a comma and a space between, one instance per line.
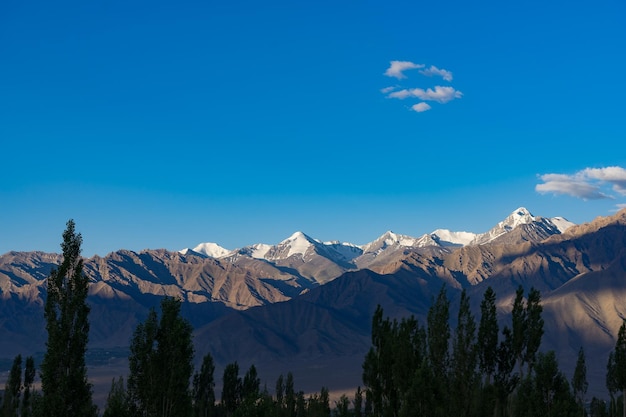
x=212, y=250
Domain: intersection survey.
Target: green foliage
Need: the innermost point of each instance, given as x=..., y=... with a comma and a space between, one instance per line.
x=464, y=376
x=13, y=389
x=231, y=388
x=117, y=400
x=66, y=392
x=533, y=327
x=155, y=389
x=29, y=379
x=579, y=380
x=204, y=388
x=518, y=335
x=487, y=344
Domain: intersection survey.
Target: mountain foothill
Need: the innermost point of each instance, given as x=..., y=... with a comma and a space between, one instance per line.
x=305, y=306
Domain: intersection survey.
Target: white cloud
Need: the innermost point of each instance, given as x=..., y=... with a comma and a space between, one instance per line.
x=439, y=94
x=420, y=107
x=613, y=175
x=396, y=68
x=387, y=89
x=433, y=70
x=588, y=184
x=401, y=94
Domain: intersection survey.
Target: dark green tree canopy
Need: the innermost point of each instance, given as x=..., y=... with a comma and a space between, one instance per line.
x=66, y=392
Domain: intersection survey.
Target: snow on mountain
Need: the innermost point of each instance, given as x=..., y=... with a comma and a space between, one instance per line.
x=518, y=217
x=562, y=223
x=256, y=251
x=299, y=244
x=347, y=250
x=212, y=250
x=388, y=239
x=449, y=238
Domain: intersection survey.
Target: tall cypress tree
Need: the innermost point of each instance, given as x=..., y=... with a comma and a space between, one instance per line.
x=66, y=392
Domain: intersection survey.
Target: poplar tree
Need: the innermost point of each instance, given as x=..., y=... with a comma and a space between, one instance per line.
x=488, y=335
x=619, y=372
x=66, y=392
x=518, y=330
x=534, y=327
x=204, y=388
x=231, y=388
x=464, y=376
x=161, y=364
x=13, y=389
x=29, y=378
x=579, y=380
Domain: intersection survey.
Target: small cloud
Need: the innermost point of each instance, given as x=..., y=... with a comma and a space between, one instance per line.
x=401, y=94
x=420, y=107
x=433, y=70
x=587, y=184
x=613, y=175
x=397, y=68
x=387, y=89
x=439, y=94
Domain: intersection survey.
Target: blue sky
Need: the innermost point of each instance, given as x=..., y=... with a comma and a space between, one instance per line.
x=157, y=124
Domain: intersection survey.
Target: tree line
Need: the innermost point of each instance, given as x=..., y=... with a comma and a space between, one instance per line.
x=411, y=369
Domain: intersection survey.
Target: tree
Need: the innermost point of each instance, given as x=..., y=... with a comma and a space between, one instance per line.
x=488, y=335
x=250, y=393
x=579, y=380
x=142, y=390
x=280, y=392
x=204, y=388
x=13, y=389
x=464, y=377
x=231, y=388
x=439, y=335
x=66, y=392
x=358, y=402
x=155, y=389
x=290, y=396
x=518, y=340
x=117, y=400
x=619, y=372
x=533, y=327
x=29, y=378
x=175, y=348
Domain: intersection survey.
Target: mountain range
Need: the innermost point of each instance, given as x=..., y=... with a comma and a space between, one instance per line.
x=305, y=306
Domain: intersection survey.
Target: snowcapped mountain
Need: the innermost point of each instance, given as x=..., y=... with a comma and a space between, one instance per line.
x=543, y=226
x=212, y=250
x=300, y=247
x=390, y=239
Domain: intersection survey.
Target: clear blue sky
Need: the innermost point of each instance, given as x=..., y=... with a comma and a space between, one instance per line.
x=161, y=124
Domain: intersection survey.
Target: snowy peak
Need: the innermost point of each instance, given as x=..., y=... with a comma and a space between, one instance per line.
x=212, y=250
x=296, y=244
x=300, y=246
x=389, y=239
x=446, y=237
x=562, y=223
